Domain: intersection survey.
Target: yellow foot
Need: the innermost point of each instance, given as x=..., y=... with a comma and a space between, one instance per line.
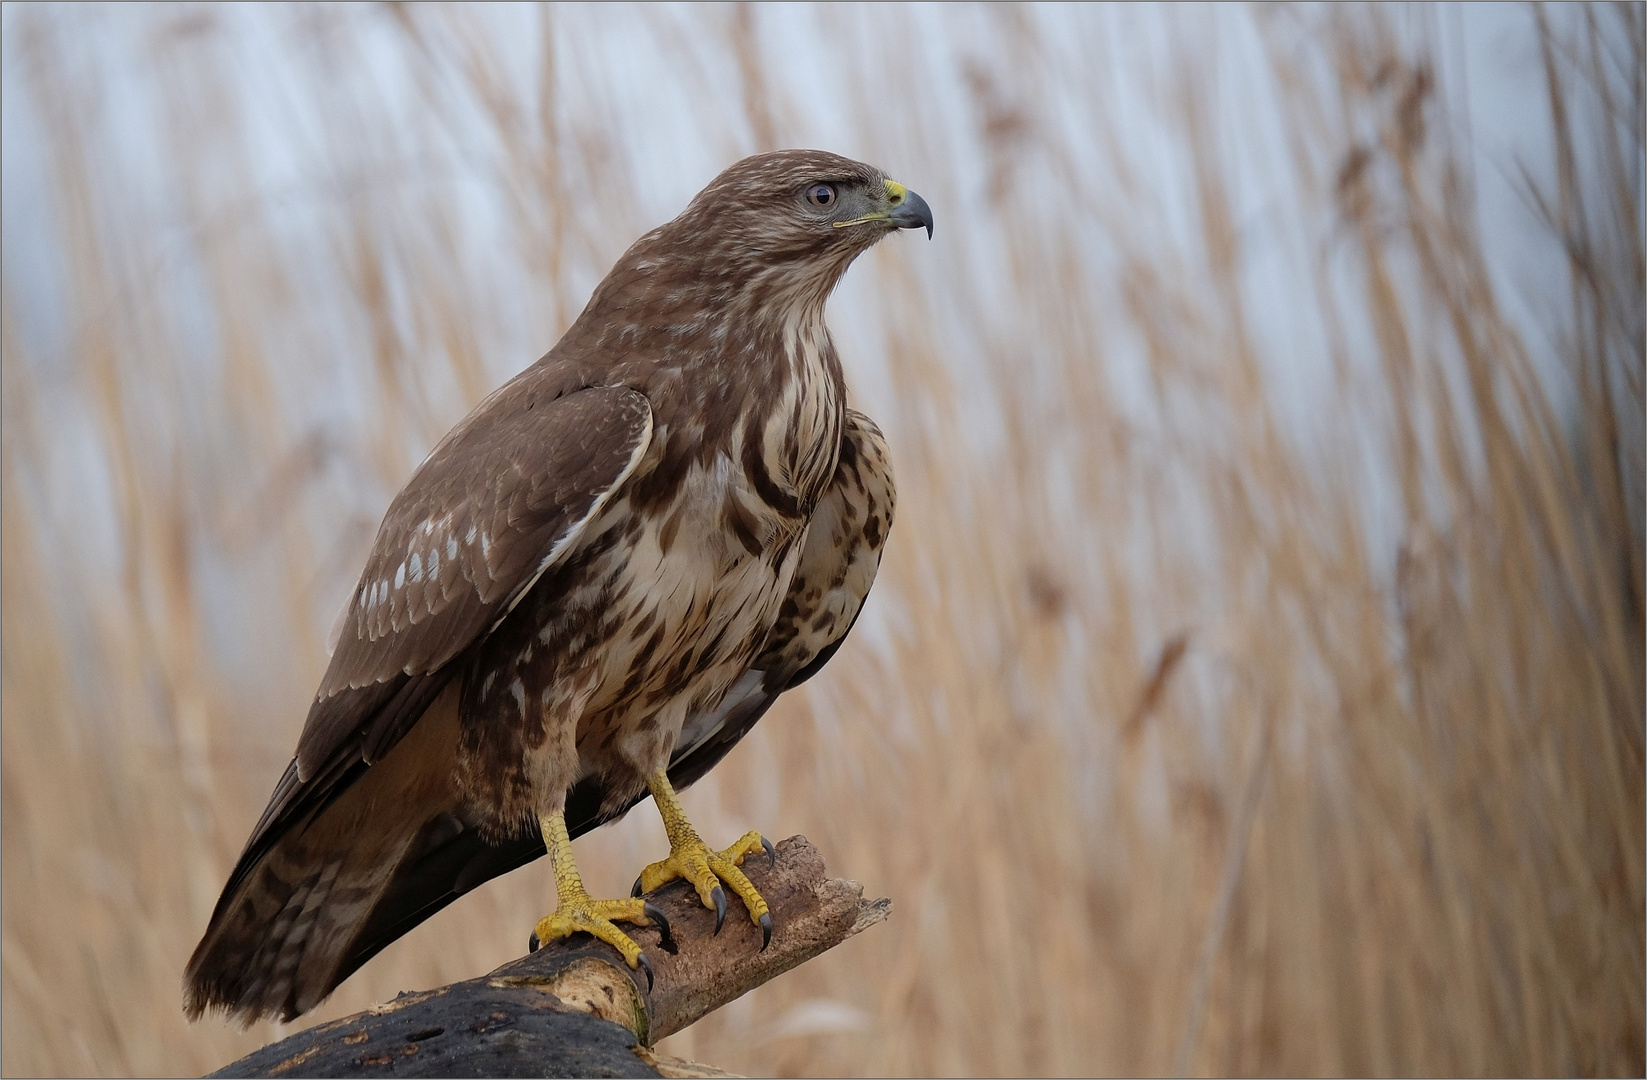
x=692, y=859
x=600, y=918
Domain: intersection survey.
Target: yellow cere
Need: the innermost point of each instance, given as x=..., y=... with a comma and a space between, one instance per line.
x=895, y=191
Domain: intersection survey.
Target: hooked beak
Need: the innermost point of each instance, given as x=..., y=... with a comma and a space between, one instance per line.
x=909, y=210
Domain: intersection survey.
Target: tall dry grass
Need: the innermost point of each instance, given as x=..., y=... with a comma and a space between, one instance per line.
x=1254, y=683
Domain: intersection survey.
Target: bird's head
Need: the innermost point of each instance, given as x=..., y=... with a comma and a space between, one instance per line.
x=807, y=200
x=781, y=226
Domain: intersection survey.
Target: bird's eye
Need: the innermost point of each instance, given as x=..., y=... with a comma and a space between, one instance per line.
x=821, y=195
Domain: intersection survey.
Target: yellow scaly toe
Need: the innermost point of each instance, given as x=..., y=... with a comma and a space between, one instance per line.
x=575, y=910
x=693, y=860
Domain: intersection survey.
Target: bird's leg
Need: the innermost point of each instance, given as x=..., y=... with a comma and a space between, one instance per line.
x=692, y=859
x=576, y=910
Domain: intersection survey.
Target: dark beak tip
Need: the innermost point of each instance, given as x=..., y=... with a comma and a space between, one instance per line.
x=914, y=214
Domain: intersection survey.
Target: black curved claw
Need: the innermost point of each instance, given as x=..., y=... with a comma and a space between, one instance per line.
x=666, y=939
x=719, y=896
x=771, y=852
x=636, y=890
x=646, y=966
x=532, y=942
x=766, y=929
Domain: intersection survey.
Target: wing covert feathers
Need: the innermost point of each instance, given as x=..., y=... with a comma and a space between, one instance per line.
x=501, y=496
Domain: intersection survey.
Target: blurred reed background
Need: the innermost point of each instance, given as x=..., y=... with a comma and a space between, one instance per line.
x=1254, y=683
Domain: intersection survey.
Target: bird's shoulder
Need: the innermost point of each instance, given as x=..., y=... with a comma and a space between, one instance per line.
x=499, y=499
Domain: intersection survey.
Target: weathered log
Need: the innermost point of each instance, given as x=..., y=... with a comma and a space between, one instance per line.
x=574, y=1008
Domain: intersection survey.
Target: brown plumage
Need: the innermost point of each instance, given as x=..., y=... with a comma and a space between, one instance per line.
x=612, y=566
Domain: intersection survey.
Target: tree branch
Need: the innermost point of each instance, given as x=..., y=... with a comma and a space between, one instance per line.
x=574, y=1008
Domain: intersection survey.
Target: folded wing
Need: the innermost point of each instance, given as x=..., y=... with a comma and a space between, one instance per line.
x=497, y=502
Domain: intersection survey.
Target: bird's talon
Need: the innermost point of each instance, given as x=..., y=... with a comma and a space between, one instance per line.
x=666, y=939
x=705, y=869
x=766, y=929
x=771, y=852
x=532, y=943
x=598, y=918
x=646, y=966
x=636, y=890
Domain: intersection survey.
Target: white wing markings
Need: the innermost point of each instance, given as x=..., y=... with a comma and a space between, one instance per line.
x=573, y=533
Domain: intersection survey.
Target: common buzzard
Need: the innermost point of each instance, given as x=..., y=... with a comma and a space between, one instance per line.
x=590, y=590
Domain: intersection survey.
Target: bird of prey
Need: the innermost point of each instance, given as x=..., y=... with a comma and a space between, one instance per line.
x=590, y=590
